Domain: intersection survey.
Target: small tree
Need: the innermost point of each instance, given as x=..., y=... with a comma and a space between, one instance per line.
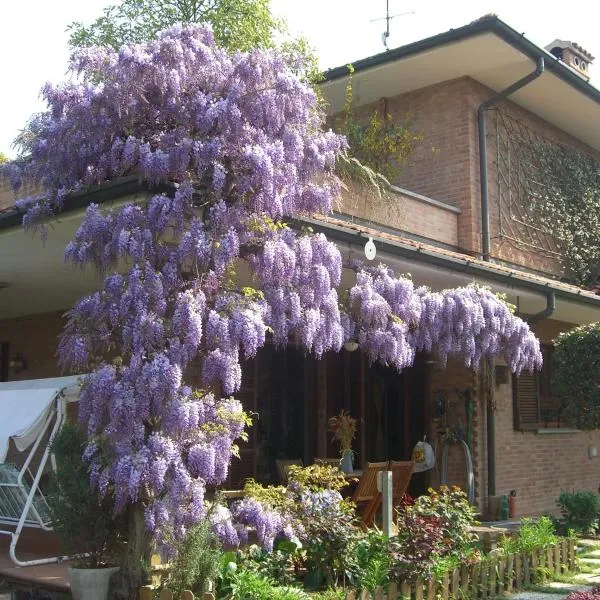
x=239, y=139
x=236, y=24
x=576, y=376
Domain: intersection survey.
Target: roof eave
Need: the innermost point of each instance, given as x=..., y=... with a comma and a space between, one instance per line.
x=484, y=25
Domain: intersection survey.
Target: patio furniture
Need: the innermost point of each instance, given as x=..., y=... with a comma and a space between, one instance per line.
x=366, y=493
x=402, y=471
x=31, y=413
x=283, y=466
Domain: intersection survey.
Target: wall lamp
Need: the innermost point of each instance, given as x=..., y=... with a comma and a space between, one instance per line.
x=17, y=363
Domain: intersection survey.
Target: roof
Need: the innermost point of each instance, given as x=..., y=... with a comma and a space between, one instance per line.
x=434, y=255
x=489, y=51
x=447, y=267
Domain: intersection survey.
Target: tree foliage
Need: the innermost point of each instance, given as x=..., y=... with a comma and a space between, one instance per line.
x=376, y=140
x=576, y=376
x=238, y=141
x=236, y=24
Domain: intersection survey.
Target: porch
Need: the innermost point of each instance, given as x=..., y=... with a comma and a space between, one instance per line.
x=291, y=396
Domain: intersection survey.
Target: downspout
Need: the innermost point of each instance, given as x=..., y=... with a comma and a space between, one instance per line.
x=543, y=314
x=483, y=173
x=485, y=238
x=490, y=421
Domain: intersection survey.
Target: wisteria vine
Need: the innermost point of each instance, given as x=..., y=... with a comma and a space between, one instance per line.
x=240, y=140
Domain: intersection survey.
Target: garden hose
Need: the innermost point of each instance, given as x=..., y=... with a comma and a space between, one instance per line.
x=469, y=460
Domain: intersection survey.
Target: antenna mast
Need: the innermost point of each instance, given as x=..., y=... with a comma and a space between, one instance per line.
x=386, y=34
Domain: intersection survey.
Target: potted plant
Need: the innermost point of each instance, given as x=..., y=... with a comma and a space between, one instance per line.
x=343, y=428
x=85, y=524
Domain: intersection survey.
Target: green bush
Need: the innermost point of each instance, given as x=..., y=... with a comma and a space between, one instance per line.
x=197, y=561
x=576, y=376
x=368, y=561
x=240, y=583
x=579, y=510
x=534, y=534
x=83, y=522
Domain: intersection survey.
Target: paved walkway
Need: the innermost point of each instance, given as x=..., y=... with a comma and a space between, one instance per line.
x=555, y=590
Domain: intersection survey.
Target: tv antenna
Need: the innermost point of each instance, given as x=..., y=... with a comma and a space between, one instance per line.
x=386, y=34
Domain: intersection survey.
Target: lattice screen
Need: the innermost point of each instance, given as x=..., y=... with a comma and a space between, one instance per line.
x=522, y=193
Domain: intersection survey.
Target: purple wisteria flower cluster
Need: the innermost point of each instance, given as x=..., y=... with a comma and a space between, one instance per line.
x=240, y=140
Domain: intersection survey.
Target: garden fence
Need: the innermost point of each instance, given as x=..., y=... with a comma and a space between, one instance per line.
x=484, y=580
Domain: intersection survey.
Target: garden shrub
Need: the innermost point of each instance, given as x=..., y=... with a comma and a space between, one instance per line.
x=455, y=513
x=418, y=543
x=82, y=521
x=197, y=561
x=534, y=534
x=579, y=510
x=313, y=514
x=369, y=561
x=433, y=534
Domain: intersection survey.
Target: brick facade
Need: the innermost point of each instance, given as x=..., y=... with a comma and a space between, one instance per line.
x=539, y=465
x=445, y=167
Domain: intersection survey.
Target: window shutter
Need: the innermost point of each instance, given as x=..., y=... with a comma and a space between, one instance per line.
x=526, y=398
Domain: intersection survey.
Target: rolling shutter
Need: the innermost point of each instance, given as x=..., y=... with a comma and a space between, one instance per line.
x=526, y=401
x=535, y=404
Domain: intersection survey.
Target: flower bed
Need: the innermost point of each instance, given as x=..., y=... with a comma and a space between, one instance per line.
x=487, y=579
x=313, y=547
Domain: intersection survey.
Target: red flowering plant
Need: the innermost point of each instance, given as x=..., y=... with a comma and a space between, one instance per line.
x=434, y=530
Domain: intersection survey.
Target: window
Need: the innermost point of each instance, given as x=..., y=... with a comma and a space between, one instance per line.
x=535, y=406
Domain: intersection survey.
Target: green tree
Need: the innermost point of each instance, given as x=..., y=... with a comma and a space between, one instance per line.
x=237, y=24
x=3, y=158
x=576, y=376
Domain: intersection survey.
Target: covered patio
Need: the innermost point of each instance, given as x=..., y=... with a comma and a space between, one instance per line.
x=291, y=396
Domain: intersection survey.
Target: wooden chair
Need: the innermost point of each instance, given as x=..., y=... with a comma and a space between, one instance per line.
x=330, y=462
x=366, y=492
x=402, y=471
x=283, y=466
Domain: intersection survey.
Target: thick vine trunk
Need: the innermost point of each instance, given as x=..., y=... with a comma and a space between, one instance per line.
x=136, y=557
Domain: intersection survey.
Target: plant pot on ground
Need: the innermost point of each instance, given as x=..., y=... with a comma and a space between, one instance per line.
x=85, y=524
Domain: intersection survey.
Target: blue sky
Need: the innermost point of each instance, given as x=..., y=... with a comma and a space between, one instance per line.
x=33, y=42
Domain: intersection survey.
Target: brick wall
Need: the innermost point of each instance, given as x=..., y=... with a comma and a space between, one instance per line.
x=404, y=211
x=540, y=465
x=445, y=165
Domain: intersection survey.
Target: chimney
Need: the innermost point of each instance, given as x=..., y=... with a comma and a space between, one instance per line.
x=573, y=55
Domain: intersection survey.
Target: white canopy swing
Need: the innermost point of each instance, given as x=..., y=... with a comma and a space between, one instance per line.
x=31, y=413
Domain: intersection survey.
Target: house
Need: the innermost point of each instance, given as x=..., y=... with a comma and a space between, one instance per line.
x=432, y=230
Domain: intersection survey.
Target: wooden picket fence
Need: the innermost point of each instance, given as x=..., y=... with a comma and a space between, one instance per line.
x=147, y=593
x=484, y=580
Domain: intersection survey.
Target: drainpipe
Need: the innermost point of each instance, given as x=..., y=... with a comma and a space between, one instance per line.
x=543, y=314
x=485, y=240
x=490, y=421
x=483, y=174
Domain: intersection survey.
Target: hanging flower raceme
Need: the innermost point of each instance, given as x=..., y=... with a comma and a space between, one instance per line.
x=238, y=141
